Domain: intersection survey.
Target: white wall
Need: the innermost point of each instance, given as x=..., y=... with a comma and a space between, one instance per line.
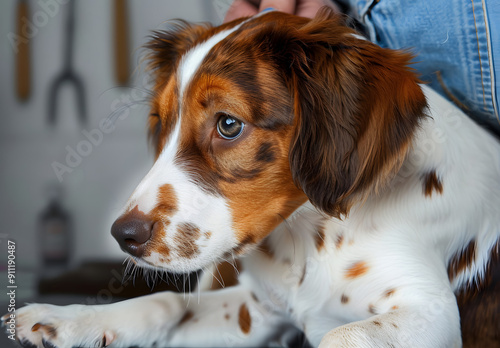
x=99, y=186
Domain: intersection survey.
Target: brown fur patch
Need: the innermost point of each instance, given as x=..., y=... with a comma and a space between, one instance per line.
x=339, y=240
x=377, y=323
x=167, y=201
x=351, y=138
x=185, y=240
x=432, y=184
x=244, y=319
x=186, y=317
x=479, y=306
x=227, y=316
x=320, y=237
x=356, y=270
x=48, y=330
x=462, y=260
x=226, y=275
x=389, y=292
x=344, y=299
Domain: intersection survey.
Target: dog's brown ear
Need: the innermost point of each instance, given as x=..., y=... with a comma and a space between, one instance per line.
x=357, y=107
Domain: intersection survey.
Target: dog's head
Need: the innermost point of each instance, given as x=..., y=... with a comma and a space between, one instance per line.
x=252, y=119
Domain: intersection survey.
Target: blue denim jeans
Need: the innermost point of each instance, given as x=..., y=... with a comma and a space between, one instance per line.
x=456, y=42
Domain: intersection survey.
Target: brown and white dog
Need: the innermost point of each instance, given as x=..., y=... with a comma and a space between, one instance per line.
x=357, y=201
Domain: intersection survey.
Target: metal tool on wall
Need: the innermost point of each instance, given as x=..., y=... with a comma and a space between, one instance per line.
x=68, y=75
x=23, y=86
x=122, y=56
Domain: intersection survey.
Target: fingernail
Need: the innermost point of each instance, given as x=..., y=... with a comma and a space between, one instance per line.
x=268, y=9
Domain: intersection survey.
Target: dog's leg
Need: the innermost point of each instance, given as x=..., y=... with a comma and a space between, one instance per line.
x=434, y=323
x=228, y=317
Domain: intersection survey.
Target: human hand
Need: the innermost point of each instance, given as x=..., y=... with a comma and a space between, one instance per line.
x=303, y=8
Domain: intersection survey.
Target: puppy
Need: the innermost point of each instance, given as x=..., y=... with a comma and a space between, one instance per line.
x=357, y=201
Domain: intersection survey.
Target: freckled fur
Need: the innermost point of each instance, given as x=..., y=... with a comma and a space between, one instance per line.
x=244, y=319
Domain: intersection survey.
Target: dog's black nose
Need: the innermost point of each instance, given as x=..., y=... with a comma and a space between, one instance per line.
x=132, y=230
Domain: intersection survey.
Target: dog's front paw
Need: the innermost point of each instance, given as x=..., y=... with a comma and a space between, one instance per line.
x=48, y=326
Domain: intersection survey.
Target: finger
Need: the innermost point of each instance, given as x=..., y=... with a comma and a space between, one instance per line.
x=287, y=6
x=238, y=9
x=309, y=8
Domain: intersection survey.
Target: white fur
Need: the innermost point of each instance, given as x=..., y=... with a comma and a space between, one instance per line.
x=193, y=59
x=194, y=206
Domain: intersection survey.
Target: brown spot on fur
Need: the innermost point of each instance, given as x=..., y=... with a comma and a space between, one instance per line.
x=50, y=331
x=244, y=319
x=395, y=326
x=371, y=309
x=227, y=316
x=185, y=240
x=389, y=292
x=377, y=323
x=344, y=299
x=186, y=317
x=356, y=270
x=35, y=327
x=167, y=201
x=394, y=308
x=207, y=234
x=225, y=275
x=431, y=184
x=339, y=240
x=462, y=260
x=320, y=237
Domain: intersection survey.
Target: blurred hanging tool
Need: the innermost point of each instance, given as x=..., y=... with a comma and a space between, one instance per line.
x=68, y=74
x=121, y=42
x=22, y=52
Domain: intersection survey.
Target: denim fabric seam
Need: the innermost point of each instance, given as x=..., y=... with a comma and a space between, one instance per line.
x=490, y=58
x=479, y=56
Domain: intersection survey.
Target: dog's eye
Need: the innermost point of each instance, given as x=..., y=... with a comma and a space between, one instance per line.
x=229, y=127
